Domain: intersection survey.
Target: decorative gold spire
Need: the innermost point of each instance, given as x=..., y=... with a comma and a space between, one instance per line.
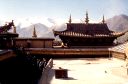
x=70, y=19
x=103, y=21
x=87, y=19
x=14, y=29
x=34, y=32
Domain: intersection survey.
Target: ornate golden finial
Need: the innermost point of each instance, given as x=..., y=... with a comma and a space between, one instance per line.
x=13, y=26
x=87, y=19
x=14, y=29
x=70, y=19
x=34, y=32
x=103, y=21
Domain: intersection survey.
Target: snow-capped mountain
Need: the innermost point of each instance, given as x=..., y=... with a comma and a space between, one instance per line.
x=44, y=26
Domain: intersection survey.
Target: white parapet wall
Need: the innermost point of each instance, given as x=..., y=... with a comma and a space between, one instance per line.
x=120, y=51
x=44, y=77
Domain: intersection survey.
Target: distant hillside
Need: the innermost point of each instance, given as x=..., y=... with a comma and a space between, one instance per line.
x=44, y=26
x=41, y=30
x=120, y=24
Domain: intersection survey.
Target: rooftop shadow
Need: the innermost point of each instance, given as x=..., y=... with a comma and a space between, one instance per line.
x=69, y=78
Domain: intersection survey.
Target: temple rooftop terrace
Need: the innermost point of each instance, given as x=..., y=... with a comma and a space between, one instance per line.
x=5, y=54
x=119, y=48
x=89, y=71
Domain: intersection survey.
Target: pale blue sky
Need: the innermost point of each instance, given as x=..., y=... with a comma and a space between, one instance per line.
x=62, y=8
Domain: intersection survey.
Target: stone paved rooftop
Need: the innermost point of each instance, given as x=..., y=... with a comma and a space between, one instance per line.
x=119, y=48
x=90, y=71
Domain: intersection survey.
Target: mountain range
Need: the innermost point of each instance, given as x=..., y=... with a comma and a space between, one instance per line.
x=119, y=23
x=44, y=27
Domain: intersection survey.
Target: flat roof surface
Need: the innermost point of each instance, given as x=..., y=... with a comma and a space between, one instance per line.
x=90, y=71
x=3, y=51
x=119, y=48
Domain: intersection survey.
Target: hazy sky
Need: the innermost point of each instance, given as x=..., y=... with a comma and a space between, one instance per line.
x=62, y=8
